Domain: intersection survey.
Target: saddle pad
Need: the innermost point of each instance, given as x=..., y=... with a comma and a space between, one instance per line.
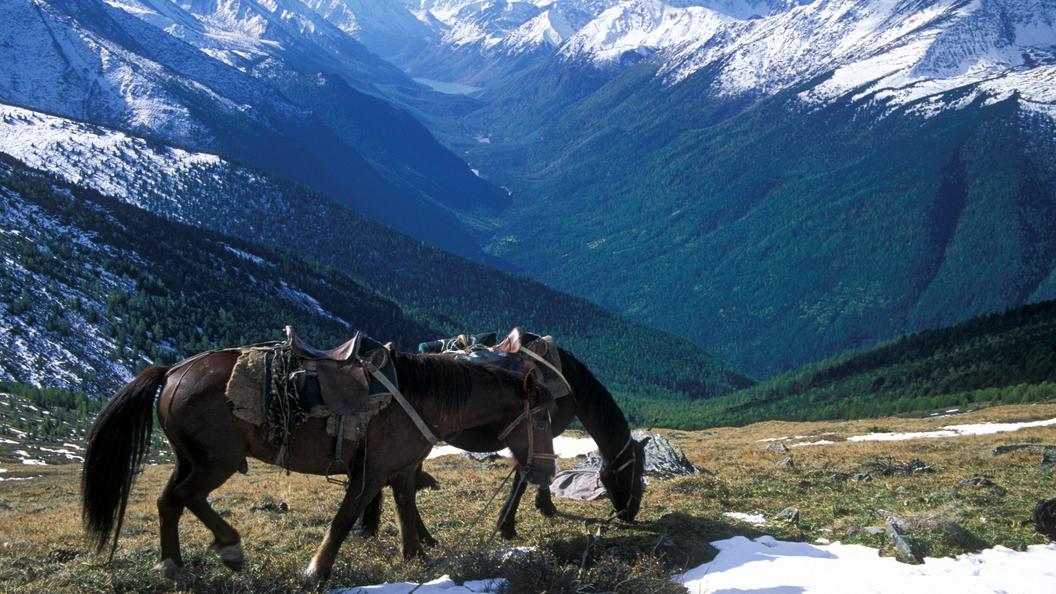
x=245, y=388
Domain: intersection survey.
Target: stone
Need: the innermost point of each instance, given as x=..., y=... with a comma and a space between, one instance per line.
x=663, y=460
x=789, y=514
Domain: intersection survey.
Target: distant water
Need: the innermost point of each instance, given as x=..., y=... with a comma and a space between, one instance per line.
x=448, y=87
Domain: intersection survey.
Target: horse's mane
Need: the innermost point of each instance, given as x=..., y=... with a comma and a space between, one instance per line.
x=595, y=407
x=447, y=381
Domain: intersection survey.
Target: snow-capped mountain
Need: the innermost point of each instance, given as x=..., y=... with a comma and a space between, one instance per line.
x=912, y=49
x=630, y=31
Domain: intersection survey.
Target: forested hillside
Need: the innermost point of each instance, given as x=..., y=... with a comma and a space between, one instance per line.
x=1002, y=358
x=91, y=276
x=778, y=233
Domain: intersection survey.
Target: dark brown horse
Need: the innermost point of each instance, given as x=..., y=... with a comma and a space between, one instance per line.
x=210, y=444
x=624, y=457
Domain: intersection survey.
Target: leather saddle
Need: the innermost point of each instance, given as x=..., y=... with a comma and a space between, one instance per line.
x=338, y=378
x=510, y=354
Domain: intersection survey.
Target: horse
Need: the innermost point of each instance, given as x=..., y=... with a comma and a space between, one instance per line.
x=210, y=444
x=623, y=457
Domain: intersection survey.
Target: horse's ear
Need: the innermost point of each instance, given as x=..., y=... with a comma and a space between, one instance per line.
x=529, y=381
x=391, y=347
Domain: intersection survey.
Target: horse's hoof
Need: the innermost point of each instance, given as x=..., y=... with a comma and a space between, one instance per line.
x=431, y=542
x=548, y=511
x=169, y=570
x=315, y=573
x=508, y=535
x=231, y=555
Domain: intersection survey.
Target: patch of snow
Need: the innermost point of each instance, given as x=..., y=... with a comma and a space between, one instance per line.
x=754, y=519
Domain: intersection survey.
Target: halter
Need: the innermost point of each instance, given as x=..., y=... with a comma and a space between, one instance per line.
x=634, y=457
x=528, y=412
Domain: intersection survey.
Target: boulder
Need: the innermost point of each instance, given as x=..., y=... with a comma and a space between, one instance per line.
x=663, y=460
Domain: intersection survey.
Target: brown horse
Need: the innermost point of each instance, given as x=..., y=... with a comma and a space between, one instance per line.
x=210, y=444
x=623, y=456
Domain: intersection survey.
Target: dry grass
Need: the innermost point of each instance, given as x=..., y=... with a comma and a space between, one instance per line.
x=41, y=547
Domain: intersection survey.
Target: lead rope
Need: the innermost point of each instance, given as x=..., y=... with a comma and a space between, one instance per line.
x=449, y=558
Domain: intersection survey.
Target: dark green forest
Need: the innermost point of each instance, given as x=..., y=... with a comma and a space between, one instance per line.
x=775, y=233
x=1001, y=358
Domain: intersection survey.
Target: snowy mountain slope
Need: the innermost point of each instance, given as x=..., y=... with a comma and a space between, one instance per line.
x=882, y=44
x=242, y=33
x=636, y=29
x=88, y=60
x=386, y=27
x=94, y=289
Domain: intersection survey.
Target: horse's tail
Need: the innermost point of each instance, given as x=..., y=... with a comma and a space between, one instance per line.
x=117, y=441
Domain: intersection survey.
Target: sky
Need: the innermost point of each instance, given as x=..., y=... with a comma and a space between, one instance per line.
x=769, y=566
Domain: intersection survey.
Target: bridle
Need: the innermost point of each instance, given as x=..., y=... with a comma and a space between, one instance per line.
x=605, y=469
x=527, y=415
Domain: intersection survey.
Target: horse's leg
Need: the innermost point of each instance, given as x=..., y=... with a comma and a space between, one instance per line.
x=544, y=503
x=194, y=491
x=370, y=521
x=359, y=492
x=508, y=514
x=409, y=521
x=169, y=512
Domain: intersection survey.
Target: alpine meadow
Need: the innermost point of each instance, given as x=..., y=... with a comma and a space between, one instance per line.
x=803, y=252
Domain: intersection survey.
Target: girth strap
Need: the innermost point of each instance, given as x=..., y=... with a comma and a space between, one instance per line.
x=403, y=401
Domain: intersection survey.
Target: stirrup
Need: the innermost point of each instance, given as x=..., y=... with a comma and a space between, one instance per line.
x=336, y=481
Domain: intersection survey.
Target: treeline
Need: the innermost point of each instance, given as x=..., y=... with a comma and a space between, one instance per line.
x=1003, y=358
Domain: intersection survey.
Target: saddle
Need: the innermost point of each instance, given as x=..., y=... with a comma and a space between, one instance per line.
x=340, y=378
x=520, y=351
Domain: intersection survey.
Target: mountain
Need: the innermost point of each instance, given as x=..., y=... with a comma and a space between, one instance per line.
x=328, y=260
x=786, y=188
x=257, y=82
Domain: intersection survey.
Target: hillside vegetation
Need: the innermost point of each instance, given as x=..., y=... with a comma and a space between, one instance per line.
x=1005, y=358
x=96, y=288
x=774, y=232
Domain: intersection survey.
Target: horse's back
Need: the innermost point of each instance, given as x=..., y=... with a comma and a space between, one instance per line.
x=194, y=410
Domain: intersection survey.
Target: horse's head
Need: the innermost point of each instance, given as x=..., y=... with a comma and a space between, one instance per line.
x=624, y=479
x=530, y=435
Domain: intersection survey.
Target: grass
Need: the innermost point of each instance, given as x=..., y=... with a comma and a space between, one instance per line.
x=41, y=546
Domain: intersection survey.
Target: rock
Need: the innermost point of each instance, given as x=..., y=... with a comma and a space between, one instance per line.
x=663, y=460
x=483, y=458
x=977, y=482
x=789, y=514
x=863, y=477
x=776, y=447
x=1048, y=461
x=1044, y=518
x=787, y=463
x=1015, y=448
x=904, y=551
